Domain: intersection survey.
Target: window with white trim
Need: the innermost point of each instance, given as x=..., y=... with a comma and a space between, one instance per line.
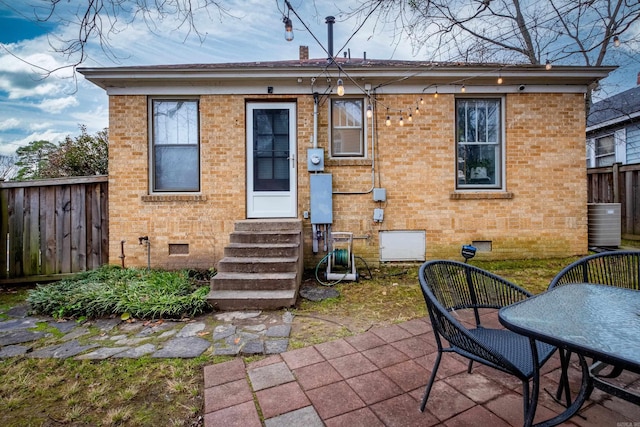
x=347, y=127
x=479, y=143
x=605, y=151
x=175, y=145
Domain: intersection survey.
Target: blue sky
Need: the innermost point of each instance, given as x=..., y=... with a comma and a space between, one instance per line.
x=33, y=107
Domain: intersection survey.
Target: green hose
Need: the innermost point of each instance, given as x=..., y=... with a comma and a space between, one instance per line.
x=343, y=254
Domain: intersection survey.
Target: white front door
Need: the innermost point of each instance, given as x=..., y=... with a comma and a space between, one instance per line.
x=271, y=160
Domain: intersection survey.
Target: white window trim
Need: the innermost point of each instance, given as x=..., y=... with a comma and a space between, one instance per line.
x=591, y=152
x=365, y=123
x=620, y=143
x=503, y=147
x=151, y=165
x=595, y=146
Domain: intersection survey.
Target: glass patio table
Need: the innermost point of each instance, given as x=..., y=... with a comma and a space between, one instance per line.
x=597, y=321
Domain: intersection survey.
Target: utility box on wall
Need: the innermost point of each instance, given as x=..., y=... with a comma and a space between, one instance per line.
x=402, y=245
x=321, y=203
x=315, y=159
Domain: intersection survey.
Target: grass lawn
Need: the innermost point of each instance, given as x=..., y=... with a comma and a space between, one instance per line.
x=168, y=392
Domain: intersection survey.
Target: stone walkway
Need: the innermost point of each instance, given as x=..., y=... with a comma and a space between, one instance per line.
x=229, y=333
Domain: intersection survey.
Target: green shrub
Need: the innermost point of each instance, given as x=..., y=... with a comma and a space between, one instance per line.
x=144, y=294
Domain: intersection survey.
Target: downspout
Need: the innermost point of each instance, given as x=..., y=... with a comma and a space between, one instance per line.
x=315, y=119
x=314, y=228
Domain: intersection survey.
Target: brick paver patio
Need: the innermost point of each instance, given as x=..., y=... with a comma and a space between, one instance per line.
x=378, y=379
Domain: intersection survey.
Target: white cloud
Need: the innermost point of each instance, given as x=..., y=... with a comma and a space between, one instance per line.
x=24, y=71
x=47, y=135
x=40, y=125
x=95, y=119
x=10, y=123
x=10, y=147
x=56, y=105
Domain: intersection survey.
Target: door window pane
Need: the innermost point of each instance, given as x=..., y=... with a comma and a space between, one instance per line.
x=271, y=150
x=175, y=145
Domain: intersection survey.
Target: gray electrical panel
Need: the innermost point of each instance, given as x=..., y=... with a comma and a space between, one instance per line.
x=321, y=198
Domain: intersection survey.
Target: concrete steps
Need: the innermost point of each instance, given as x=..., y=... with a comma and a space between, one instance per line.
x=261, y=268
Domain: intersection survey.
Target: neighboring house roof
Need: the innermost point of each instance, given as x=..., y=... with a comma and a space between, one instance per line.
x=616, y=109
x=384, y=75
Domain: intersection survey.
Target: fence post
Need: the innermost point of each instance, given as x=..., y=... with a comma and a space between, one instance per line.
x=4, y=229
x=616, y=182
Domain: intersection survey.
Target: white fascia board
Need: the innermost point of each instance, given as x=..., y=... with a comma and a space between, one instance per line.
x=376, y=76
x=307, y=89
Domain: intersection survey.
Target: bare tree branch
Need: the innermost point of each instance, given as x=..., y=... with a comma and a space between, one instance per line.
x=97, y=20
x=575, y=31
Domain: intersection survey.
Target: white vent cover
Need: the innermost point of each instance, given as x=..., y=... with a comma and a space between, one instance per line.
x=406, y=245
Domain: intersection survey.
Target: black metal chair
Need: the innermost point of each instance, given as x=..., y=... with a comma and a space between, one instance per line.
x=451, y=288
x=614, y=268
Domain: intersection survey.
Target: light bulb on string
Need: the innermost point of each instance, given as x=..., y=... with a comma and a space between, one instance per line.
x=340, y=87
x=616, y=41
x=401, y=121
x=288, y=28
x=499, y=79
x=548, y=65
x=388, y=121
x=417, y=109
x=435, y=95
x=369, y=111
x=422, y=101
x=410, y=118
x=463, y=89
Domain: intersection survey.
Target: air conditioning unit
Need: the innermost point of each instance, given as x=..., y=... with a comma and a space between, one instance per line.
x=604, y=224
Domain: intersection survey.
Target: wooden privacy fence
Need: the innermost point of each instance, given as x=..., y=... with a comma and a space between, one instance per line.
x=52, y=228
x=618, y=184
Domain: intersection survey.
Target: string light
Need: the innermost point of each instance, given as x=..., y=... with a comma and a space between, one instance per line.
x=616, y=41
x=369, y=111
x=340, y=87
x=288, y=28
x=369, y=114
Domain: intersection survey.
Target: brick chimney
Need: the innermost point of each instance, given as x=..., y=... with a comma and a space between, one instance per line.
x=304, y=53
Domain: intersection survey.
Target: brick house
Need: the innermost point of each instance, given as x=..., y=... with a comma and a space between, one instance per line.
x=196, y=150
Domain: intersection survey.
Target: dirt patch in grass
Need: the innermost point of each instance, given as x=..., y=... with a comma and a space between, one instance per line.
x=392, y=295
